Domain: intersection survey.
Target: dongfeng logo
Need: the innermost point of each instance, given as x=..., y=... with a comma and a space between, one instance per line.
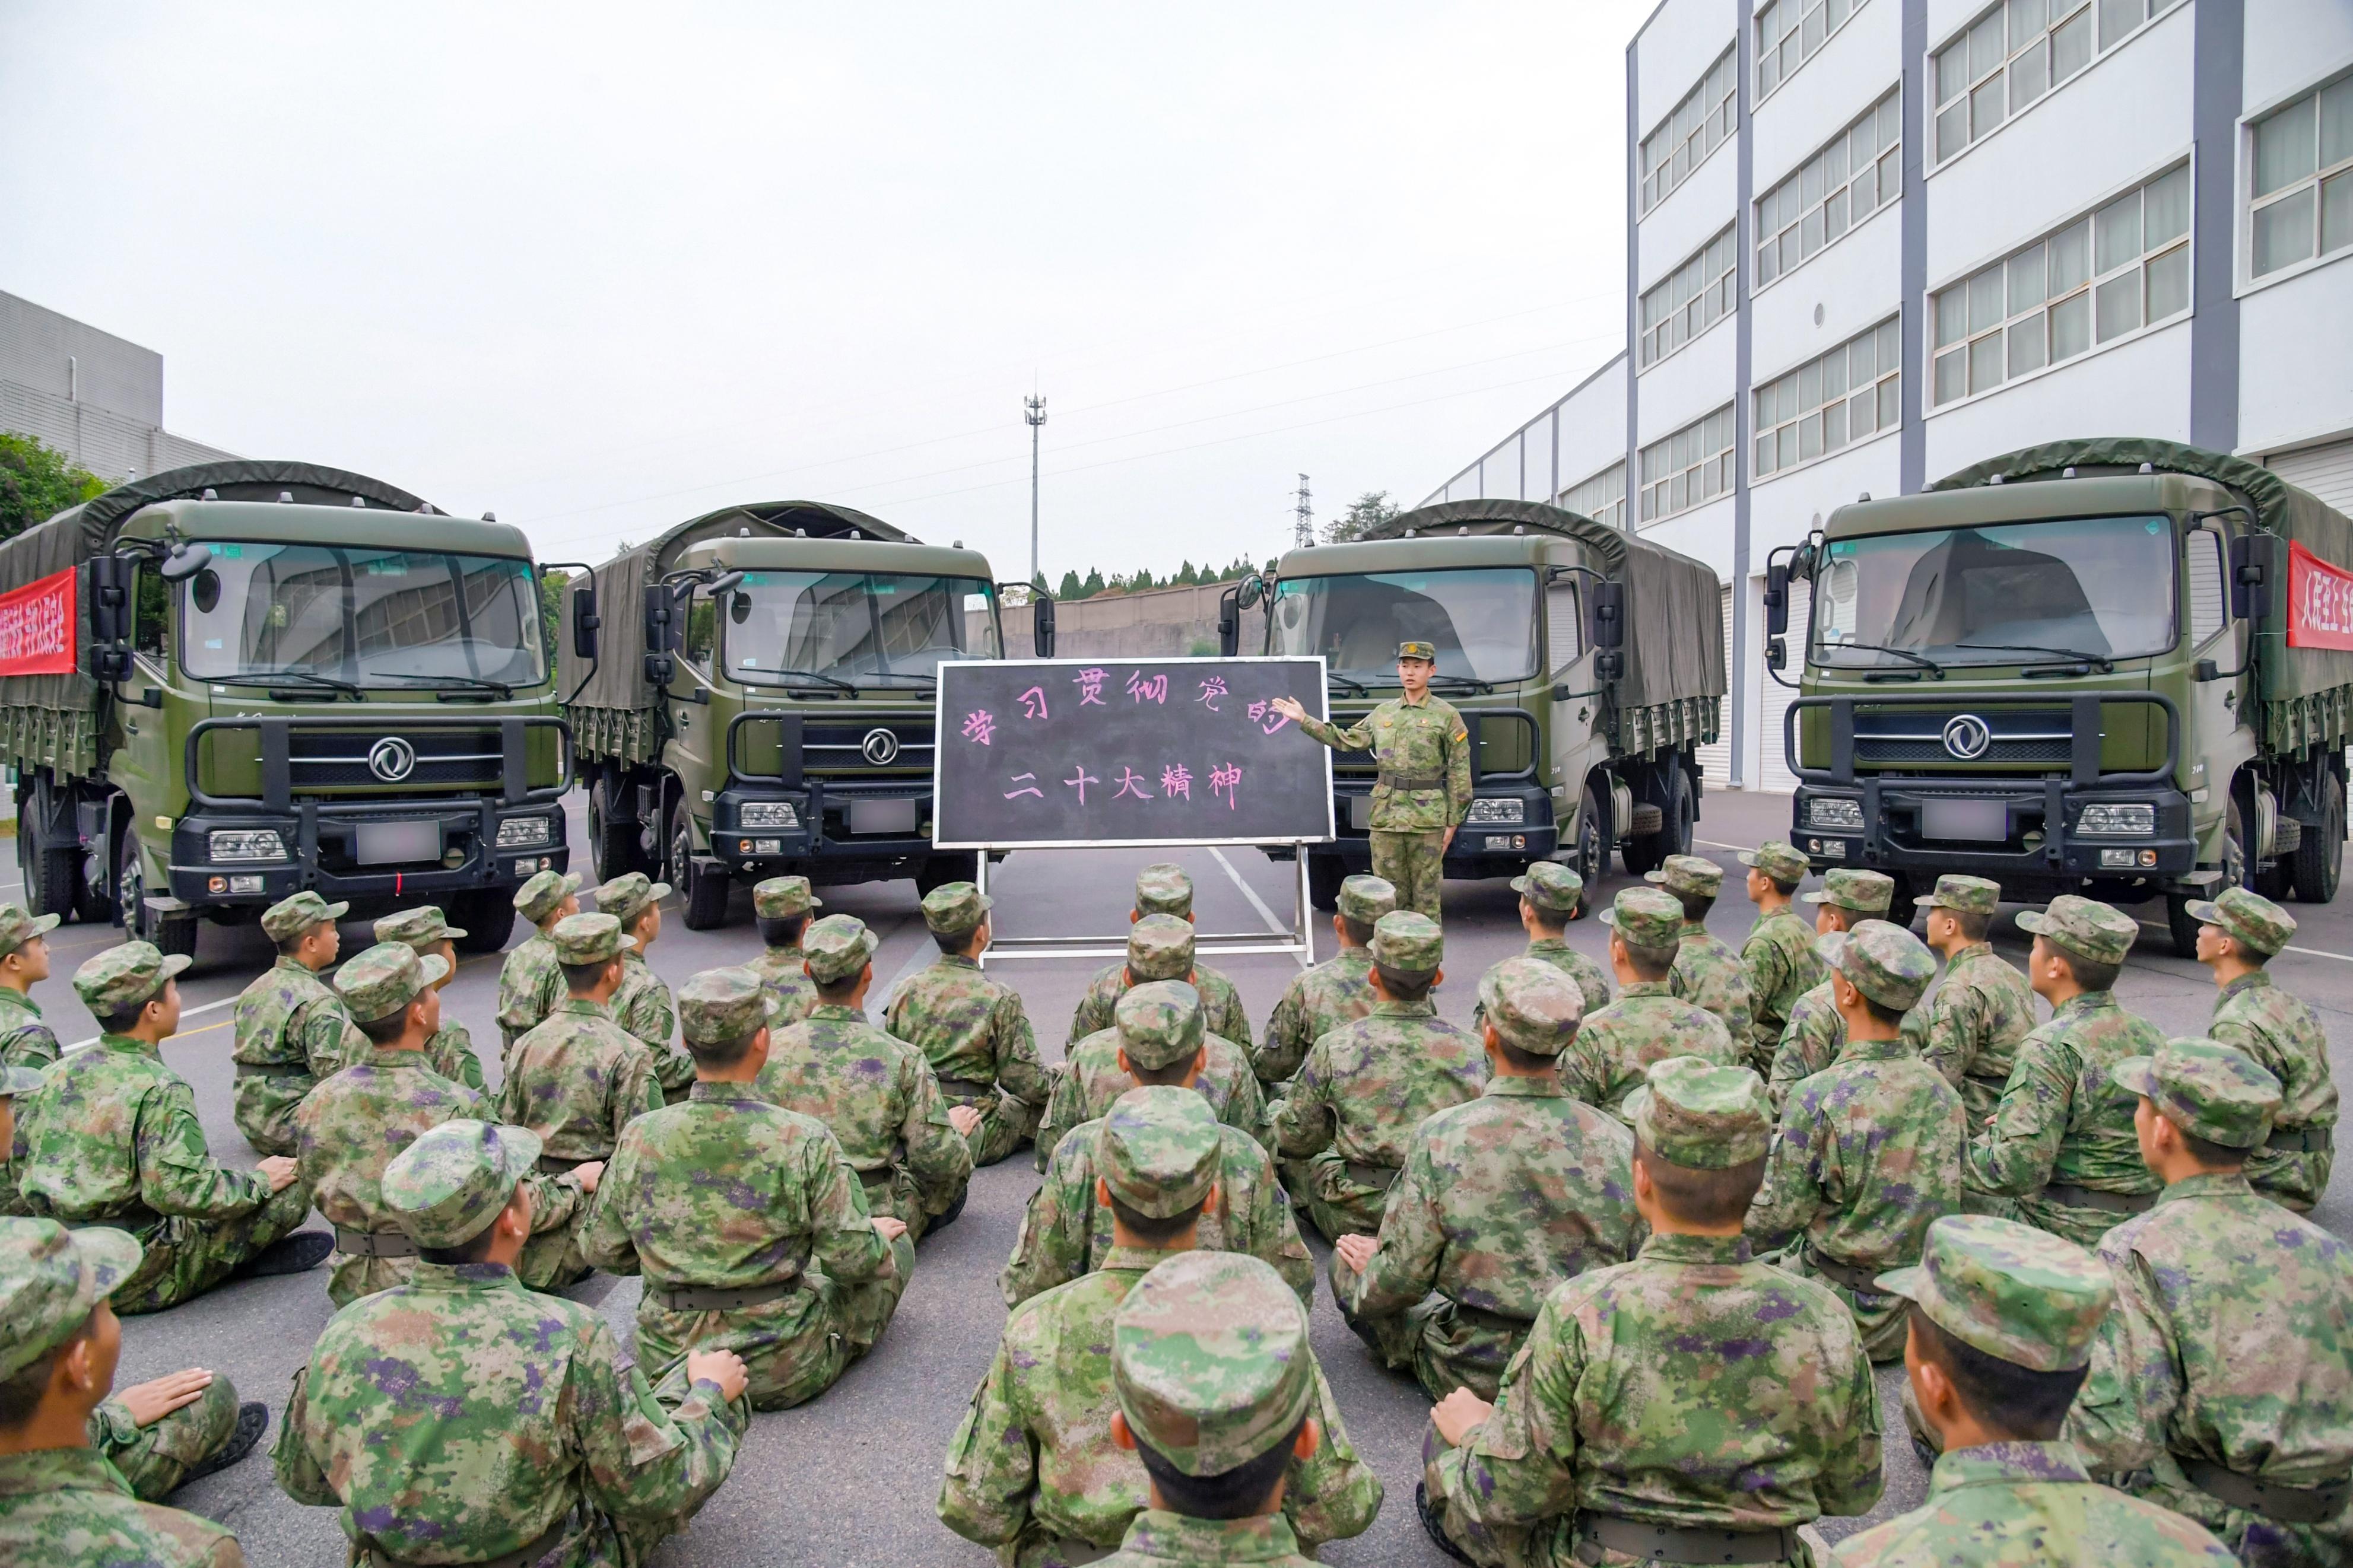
x=391, y=759
x=1967, y=736
x=882, y=747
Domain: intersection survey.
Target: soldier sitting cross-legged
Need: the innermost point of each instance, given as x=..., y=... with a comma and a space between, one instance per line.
x=530, y=981
x=780, y=909
x=971, y=1028
x=1706, y=972
x=1616, y=1046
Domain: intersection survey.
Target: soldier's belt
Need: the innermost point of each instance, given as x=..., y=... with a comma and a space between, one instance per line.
x=373, y=1243
x=1674, y=1543
x=521, y=1557
x=2301, y=1140
x=1863, y=1282
x=2093, y=1198
x=2287, y=1505
x=712, y=1298
x=974, y=1087
x=1070, y=1549
x=558, y=1165
x=1501, y=1322
x=1410, y=781
x=273, y=1069
x=1381, y=1176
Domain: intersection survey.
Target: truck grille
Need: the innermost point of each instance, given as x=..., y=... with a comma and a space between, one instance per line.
x=857, y=746
x=2015, y=737
x=445, y=759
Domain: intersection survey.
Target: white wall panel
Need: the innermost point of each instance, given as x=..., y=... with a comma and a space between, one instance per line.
x=1842, y=78
x=1694, y=381
x=2139, y=389
x=1674, y=50
x=2296, y=345
x=2290, y=44
x=1692, y=214
x=1856, y=283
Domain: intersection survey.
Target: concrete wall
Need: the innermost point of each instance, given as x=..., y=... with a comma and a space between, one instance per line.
x=1165, y=623
x=91, y=394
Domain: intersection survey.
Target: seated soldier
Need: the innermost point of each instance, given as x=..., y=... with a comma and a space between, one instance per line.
x=1779, y=952
x=462, y=1419
x=289, y=1026
x=1970, y=1031
x=780, y=909
x=1810, y=1039
x=1707, y=972
x=451, y=1052
x=2238, y=936
x=642, y=1005
x=749, y=1225
x=1551, y=895
x=25, y=1040
x=530, y=981
x=1336, y=991
x=971, y=1028
x=1616, y=1048
x=1162, y=889
x=1032, y=1470
x=1501, y=1199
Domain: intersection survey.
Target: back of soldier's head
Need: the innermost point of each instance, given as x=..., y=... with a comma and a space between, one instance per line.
x=1702, y=1132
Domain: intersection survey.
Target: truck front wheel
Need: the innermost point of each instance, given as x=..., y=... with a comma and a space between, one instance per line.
x=1591, y=856
x=1325, y=875
x=702, y=898
x=2181, y=925
x=175, y=935
x=2320, y=854
x=487, y=917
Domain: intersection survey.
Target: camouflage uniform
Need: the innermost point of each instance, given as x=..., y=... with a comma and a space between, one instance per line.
x=1616, y=1046
x=875, y=1094
x=2284, y=1034
x=530, y=982
x=1707, y=973
x=26, y=1041
x=2033, y=1301
x=1502, y=1199
x=973, y=1031
x=1970, y=1029
x=1556, y=891
x=642, y=1005
x=71, y=1508
x=111, y=1139
x=1810, y=1039
x=1869, y=1152
x=1691, y=1389
x=290, y=1031
x=460, y=1417
x=450, y=1051
x=1778, y=954
x=2061, y=1154
x=1423, y=788
x=1366, y=1086
x=780, y=898
x=1160, y=890
x=1031, y=1470
x=1319, y=1000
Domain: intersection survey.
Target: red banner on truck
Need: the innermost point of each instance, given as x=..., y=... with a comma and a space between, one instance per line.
x=2319, y=600
x=36, y=627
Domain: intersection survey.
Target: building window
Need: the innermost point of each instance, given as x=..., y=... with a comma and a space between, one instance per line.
x=2304, y=179
x=1688, y=300
x=1852, y=392
x=1601, y=498
x=1789, y=31
x=1691, y=466
x=2020, y=49
x=2123, y=267
x=1700, y=123
x=1861, y=171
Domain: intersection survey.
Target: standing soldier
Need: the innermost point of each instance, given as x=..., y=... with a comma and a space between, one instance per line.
x=530, y=982
x=2222, y=1383
x=1780, y=950
x=1614, y=1048
x=1366, y=1086
x=462, y=1419
x=575, y=1081
x=427, y=932
x=1423, y=789
x=1549, y=896
x=1336, y=991
x=971, y=1028
x=780, y=907
x=1032, y=1470
x=1707, y=973
x=1501, y=1199
x=25, y=1040
x=289, y=1027
x=642, y=1005
x=1869, y=1148
x=876, y=1093
x=2060, y=1154
x=1810, y=1039
x=1162, y=889
x=749, y=1226
x=1973, y=1024
x=1691, y=1406
x=1999, y=1324
x=2238, y=936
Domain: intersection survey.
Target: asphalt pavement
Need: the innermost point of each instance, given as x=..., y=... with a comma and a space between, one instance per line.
x=851, y=1478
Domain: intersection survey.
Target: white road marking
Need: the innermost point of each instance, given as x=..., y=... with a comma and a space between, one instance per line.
x=2159, y=926
x=918, y=958
x=1257, y=903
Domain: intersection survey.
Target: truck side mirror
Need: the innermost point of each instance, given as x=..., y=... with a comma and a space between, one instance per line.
x=1251, y=589
x=2254, y=568
x=1041, y=624
x=184, y=561
x=1610, y=617
x=585, y=619
x=1609, y=665
x=1777, y=654
x=660, y=667
x=1229, y=622
x=660, y=617
x=1777, y=600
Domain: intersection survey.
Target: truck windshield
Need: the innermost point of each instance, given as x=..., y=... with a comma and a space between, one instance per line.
x=1482, y=619
x=363, y=615
x=2009, y=594
x=853, y=626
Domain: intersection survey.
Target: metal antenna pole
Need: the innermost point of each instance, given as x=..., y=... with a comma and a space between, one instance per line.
x=1305, y=533
x=1034, y=411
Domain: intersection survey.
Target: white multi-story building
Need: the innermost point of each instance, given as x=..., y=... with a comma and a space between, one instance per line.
x=94, y=396
x=1870, y=242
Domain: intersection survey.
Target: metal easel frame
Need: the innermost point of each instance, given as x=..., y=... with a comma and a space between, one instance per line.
x=1299, y=940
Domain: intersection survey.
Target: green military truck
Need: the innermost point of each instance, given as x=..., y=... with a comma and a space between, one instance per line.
x=220, y=684
x=1587, y=662
x=751, y=694
x=2117, y=666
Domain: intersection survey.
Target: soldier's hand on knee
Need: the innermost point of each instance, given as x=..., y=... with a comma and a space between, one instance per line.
x=724, y=1368
x=1458, y=1415
x=964, y=1119
x=150, y=1402
x=1356, y=1251
x=278, y=1171
x=889, y=1230
x=590, y=1172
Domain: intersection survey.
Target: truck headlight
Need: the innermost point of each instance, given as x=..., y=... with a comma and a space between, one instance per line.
x=247, y=844
x=767, y=814
x=2120, y=821
x=522, y=832
x=1493, y=812
x=1832, y=812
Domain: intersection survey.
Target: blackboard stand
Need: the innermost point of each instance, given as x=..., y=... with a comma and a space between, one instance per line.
x=1299, y=940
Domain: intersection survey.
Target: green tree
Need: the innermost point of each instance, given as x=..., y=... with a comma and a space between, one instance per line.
x=1071, y=587
x=1365, y=515
x=1186, y=575
x=1092, y=585
x=37, y=482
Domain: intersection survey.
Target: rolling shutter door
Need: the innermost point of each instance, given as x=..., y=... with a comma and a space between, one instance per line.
x=1716, y=761
x=1773, y=769
x=2326, y=471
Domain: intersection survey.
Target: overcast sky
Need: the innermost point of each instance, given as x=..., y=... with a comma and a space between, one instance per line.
x=601, y=272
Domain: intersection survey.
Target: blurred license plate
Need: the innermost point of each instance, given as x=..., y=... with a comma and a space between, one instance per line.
x=1984, y=821
x=883, y=816
x=398, y=843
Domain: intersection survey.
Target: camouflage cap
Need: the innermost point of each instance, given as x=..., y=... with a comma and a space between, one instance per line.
x=1865, y=892
x=19, y=925
x=779, y=897
x=1364, y=899
x=1534, y=1006
x=1646, y=916
x=1410, y=648
x=718, y=1005
x=2085, y=927
x=1688, y=874
x=386, y=978
x=1160, y=947
x=2019, y=1294
x=2242, y=916
x=1886, y=963
x=16, y=1080
x=292, y=916
x=422, y=927
x=1210, y=1358
x=51, y=1278
x=1160, y=1024
x=589, y=939
x=1408, y=943
x=1970, y=895
x=540, y=896
x=838, y=946
x=1157, y=1150
x=1828, y=945
x=625, y=898
x=1164, y=889
x=1549, y=885
x=955, y=909
x=124, y=976
x=2206, y=1088
x=1700, y=1115
x=447, y=1187
x=1778, y=860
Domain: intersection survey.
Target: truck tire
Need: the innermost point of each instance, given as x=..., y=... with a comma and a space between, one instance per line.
x=703, y=900
x=1325, y=875
x=1590, y=857
x=2320, y=859
x=487, y=916
x=2182, y=926
x=50, y=874
x=941, y=870
x=613, y=843
x=1647, y=852
x=175, y=935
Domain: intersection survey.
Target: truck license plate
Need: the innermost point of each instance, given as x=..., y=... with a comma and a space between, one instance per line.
x=398, y=843
x=883, y=816
x=1979, y=821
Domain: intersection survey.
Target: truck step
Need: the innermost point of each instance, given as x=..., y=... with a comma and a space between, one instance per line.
x=1646, y=818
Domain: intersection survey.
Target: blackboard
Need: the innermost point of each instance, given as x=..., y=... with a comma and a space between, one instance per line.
x=1059, y=753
